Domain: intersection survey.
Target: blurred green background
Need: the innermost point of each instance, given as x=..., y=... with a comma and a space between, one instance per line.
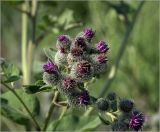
x=138, y=74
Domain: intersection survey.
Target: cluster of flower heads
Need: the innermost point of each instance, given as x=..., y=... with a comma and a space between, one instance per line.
x=77, y=61
x=129, y=119
x=81, y=60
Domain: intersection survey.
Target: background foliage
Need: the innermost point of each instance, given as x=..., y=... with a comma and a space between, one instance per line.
x=137, y=76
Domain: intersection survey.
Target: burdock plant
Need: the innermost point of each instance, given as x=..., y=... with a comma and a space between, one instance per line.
x=77, y=62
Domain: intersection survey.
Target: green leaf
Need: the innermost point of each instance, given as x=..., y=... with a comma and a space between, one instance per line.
x=13, y=114
x=106, y=122
x=72, y=122
x=4, y=101
x=32, y=89
x=50, y=53
x=10, y=72
x=39, y=83
x=92, y=125
x=12, y=79
x=66, y=17
x=53, y=125
x=31, y=101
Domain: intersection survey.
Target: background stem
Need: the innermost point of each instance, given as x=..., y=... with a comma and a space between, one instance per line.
x=24, y=44
x=32, y=42
x=49, y=114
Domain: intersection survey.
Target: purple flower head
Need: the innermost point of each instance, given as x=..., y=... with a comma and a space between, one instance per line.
x=88, y=33
x=136, y=121
x=63, y=39
x=69, y=83
x=84, y=98
x=84, y=68
x=102, y=47
x=62, y=50
x=77, y=52
x=49, y=67
x=102, y=59
x=80, y=43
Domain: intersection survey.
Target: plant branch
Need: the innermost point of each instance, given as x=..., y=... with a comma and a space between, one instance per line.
x=115, y=67
x=24, y=44
x=64, y=110
x=25, y=106
x=23, y=11
x=50, y=110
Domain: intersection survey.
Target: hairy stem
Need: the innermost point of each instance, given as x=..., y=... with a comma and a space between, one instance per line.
x=115, y=67
x=49, y=114
x=24, y=44
x=25, y=106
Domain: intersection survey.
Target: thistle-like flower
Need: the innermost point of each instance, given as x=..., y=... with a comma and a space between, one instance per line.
x=137, y=120
x=75, y=55
x=67, y=85
x=84, y=98
x=61, y=57
x=102, y=47
x=79, y=98
x=82, y=70
x=80, y=42
x=88, y=33
x=126, y=105
x=63, y=41
x=51, y=75
x=111, y=96
x=50, y=67
x=99, y=63
x=102, y=104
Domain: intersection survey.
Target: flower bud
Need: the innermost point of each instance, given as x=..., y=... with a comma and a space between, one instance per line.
x=99, y=63
x=80, y=42
x=51, y=79
x=79, y=98
x=76, y=55
x=51, y=75
x=63, y=41
x=111, y=96
x=60, y=57
x=82, y=70
x=67, y=85
x=50, y=67
x=88, y=34
x=102, y=47
x=126, y=105
x=137, y=120
x=102, y=104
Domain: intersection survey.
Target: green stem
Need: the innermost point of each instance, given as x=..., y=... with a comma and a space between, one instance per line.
x=115, y=67
x=64, y=110
x=25, y=106
x=49, y=114
x=32, y=42
x=24, y=44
